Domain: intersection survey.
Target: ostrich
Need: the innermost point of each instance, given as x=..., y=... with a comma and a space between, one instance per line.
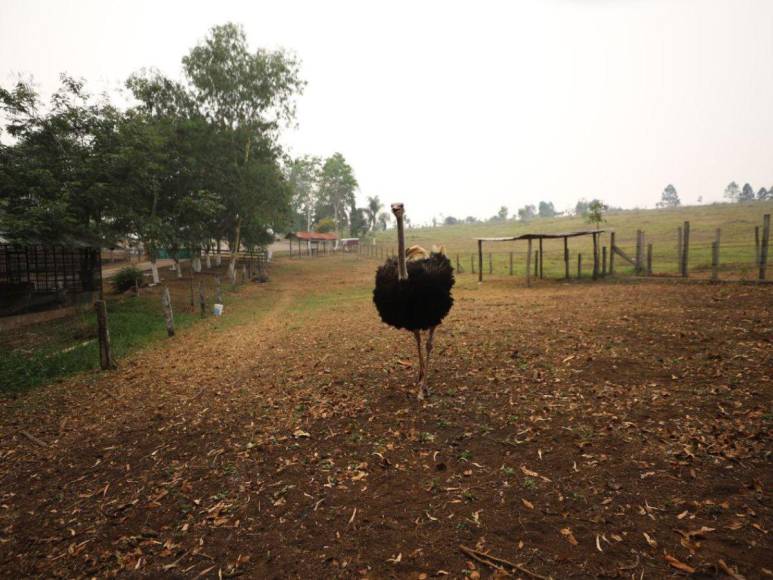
x=414, y=293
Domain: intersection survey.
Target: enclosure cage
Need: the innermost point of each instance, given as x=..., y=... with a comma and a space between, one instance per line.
x=40, y=277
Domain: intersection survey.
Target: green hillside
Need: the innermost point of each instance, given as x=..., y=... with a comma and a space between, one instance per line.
x=736, y=221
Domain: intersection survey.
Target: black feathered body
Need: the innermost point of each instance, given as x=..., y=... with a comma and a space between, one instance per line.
x=420, y=302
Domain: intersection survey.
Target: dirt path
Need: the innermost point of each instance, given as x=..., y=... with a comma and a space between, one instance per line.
x=578, y=430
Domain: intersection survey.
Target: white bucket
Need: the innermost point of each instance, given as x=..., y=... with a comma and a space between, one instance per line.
x=218, y=310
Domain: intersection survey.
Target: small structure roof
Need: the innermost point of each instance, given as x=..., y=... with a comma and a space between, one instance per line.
x=542, y=236
x=313, y=236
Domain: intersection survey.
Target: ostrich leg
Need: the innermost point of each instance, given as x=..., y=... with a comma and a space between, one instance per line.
x=430, y=344
x=422, y=380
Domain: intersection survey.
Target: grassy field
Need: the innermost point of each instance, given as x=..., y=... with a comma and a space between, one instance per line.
x=736, y=221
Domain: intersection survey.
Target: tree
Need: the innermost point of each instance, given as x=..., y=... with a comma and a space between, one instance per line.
x=581, y=208
x=669, y=197
x=358, y=221
x=471, y=220
x=325, y=225
x=450, y=221
x=595, y=212
x=732, y=192
x=526, y=213
x=546, y=209
x=55, y=177
x=747, y=193
x=384, y=219
x=502, y=213
x=763, y=194
x=336, y=189
x=372, y=210
x=303, y=180
x=246, y=95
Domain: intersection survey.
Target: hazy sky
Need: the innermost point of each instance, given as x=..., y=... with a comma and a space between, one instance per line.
x=458, y=108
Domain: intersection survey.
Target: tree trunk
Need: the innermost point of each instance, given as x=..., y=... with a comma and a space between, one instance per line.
x=235, y=250
x=208, y=260
x=178, y=267
x=154, y=269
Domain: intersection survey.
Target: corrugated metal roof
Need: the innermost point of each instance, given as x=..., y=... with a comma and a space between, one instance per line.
x=542, y=236
x=313, y=236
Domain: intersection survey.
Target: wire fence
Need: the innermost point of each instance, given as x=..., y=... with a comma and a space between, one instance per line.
x=685, y=254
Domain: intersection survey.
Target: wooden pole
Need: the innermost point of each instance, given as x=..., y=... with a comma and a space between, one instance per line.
x=715, y=260
x=637, y=253
x=458, y=265
x=218, y=291
x=612, y=253
x=472, y=264
x=536, y=263
x=685, y=249
x=595, y=256
x=511, y=263
x=202, y=300
x=541, y=260
x=649, y=259
x=166, y=304
x=490, y=263
x=480, y=260
x=756, y=246
x=528, y=264
x=106, y=361
x=566, y=257
x=764, y=245
x=579, y=266
x=679, y=249
x=603, y=260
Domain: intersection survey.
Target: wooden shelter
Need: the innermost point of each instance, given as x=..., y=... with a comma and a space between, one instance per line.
x=540, y=237
x=314, y=242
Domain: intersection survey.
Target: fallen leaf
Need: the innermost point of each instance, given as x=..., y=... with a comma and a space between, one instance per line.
x=679, y=565
x=567, y=533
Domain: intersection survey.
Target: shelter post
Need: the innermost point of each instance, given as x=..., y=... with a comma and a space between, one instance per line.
x=595, y=256
x=541, y=258
x=480, y=260
x=764, y=245
x=566, y=257
x=528, y=264
x=611, y=253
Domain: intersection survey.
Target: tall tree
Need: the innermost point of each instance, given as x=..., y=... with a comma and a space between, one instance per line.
x=669, y=197
x=546, y=209
x=248, y=95
x=304, y=184
x=372, y=210
x=526, y=213
x=747, y=193
x=732, y=191
x=596, y=211
x=763, y=194
x=337, y=185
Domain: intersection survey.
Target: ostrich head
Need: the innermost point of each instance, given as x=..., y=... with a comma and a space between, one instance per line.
x=398, y=210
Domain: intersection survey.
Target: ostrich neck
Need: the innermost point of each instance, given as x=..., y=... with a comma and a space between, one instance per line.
x=402, y=270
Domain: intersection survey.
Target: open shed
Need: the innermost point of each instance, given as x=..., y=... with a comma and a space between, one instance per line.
x=313, y=241
x=540, y=237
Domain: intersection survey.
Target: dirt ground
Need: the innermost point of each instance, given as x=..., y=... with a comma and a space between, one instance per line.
x=575, y=430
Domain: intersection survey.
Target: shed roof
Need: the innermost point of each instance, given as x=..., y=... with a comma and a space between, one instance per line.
x=542, y=236
x=313, y=236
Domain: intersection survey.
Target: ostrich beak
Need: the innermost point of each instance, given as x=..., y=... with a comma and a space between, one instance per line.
x=398, y=209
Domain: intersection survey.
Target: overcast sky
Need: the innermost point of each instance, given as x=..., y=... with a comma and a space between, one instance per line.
x=459, y=108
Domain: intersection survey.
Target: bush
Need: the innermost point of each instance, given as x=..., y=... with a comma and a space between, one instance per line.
x=325, y=225
x=126, y=278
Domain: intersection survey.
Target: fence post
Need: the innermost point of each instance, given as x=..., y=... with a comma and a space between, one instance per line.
x=566, y=257
x=764, y=245
x=715, y=260
x=490, y=263
x=536, y=263
x=603, y=260
x=595, y=256
x=480, y=260
x=541, y=258
x=685, y=249
x=679, y=249
x=579, y=266
x=638, y=253
x=166, y=303
x=611, y=253
x=106, y=361
x=649, y=259
x=511, y=263
x=756, y=246
x=528, y=264
x=458, y=265
x=472, y=264
x=218, y=291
